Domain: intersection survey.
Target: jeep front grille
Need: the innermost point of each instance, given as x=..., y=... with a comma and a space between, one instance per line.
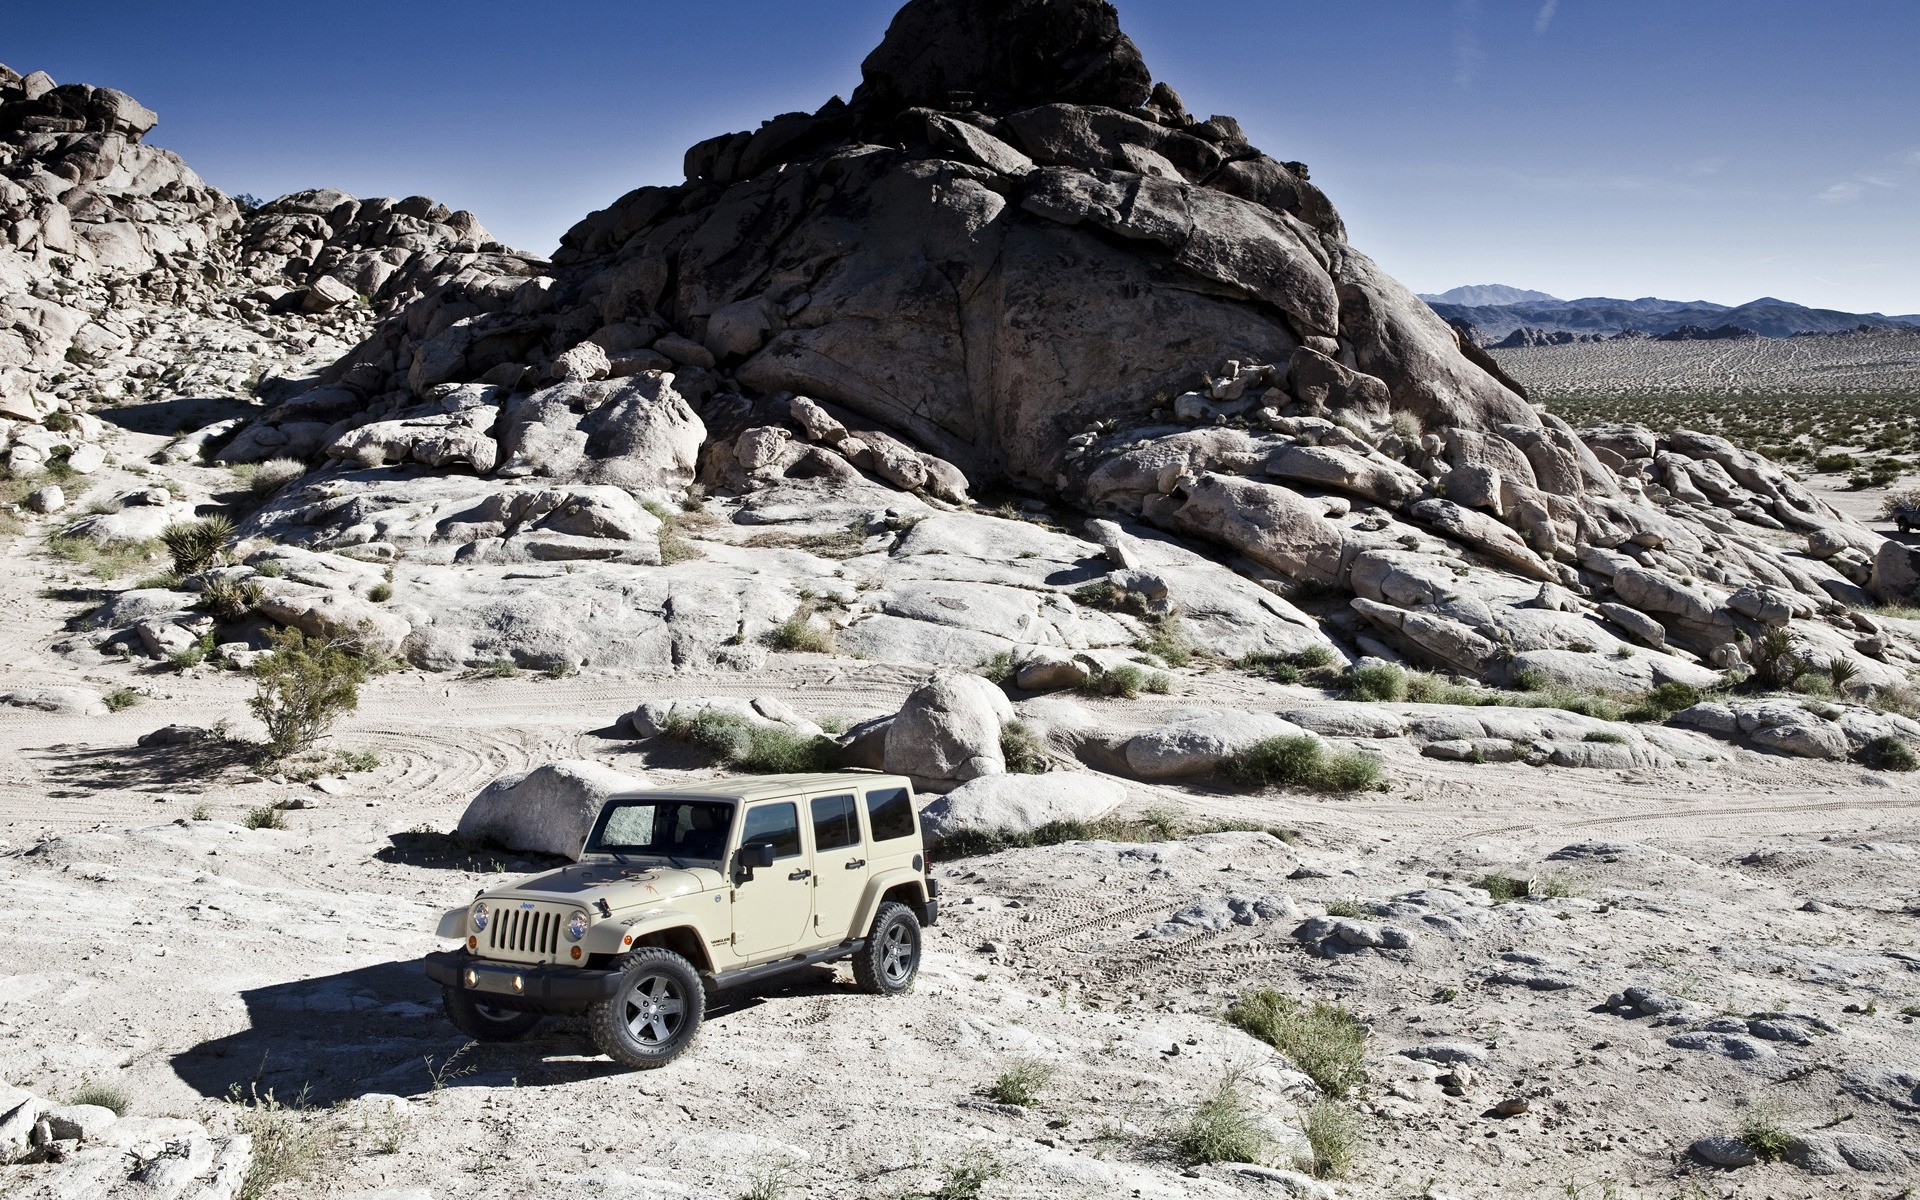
x=525, y=934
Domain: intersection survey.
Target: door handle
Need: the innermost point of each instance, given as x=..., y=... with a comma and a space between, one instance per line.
x=799, y=874
x=854, y=864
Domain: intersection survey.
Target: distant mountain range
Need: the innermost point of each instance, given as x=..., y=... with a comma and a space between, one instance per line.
x=1498, y=315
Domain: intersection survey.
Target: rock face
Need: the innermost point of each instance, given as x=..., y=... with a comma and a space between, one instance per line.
x=950, y=730
x=548, y=810
x=1021, y=803
x=1011, y=258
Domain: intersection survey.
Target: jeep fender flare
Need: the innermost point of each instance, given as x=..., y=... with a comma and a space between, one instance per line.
x=453, y=923
x=672, y=930
x=900, y=879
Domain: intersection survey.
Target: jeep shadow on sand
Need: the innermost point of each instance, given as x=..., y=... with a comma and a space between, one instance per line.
x=683, y=893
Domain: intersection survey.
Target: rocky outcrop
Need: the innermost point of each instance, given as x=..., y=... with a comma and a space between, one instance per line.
x=1011, y=258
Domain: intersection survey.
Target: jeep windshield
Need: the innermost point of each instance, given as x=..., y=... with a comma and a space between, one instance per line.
x=677, y=830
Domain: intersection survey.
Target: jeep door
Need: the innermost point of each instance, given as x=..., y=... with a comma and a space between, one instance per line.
x=773, y=911
x=839, y=864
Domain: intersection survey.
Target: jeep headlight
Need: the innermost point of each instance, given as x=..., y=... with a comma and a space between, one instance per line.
x=577, y=927
x=480, y=918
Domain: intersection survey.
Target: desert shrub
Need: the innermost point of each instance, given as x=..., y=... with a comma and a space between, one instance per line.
x=380, y=592
x=1323, y=1041
x=1834, y=464
x=195, y=545
x=675, y=546
x=286, y=1147
x=201, y=812
x=1024, y=749
x=274, y=474
x=1154, y=825
x=302, y=688
x=1157, y=683
x=997, y=669
x=499, y=668
x=1902, y=698
x=105, y=1095
x=1314, y=665
x=963, y=1182
x=121, y=698
x=1351, y=909
x=757, y=749
x=1774, y=663
x=1888, y=753
x=1424, y=687
x=1761, y=1131
x=1126, y=682
x=1606, y=737
x=1221, y=1128
x=265, y=817
x=1380, y=682
x=1301, y=761
x=1333, y=1136
x=1664, y=700
x=195, y=654
x=1098, y=594
x=1021, y=1083
x=103, y=560
x=801, y=633
x=1166, y=641
x=228, y=600
x=1895, y=502
x=1503, y=888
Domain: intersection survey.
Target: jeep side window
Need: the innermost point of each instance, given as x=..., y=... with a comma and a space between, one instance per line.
x=890, y=813
x=776, y=823
x=835, y=825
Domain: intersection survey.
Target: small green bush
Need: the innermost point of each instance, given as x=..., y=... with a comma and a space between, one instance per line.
x=302, y=688
x=1889, y=753
x=1333, y=1136
x=227, y=600
x=1325, y=1042
x=1024, y=749
x=1378, y=682
x=1301, y=761
x=1125, y=681
x=1606, y=737
x=757, y=749
x=1221, y=1128
x=1349, y=908
x=272, y=475
x=1663, y=701
x=196, y=545
x=121, y=698
x=104, y=1095
x=800, y=633
x=997, y=669
x=380, y=593
x=104, y=560
x=1166, y=641
x=265, y=817
x=1021, y=1083
x=499, y=668
x=1762, y=1133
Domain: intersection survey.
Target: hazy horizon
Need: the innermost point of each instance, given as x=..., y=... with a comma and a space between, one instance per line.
x=1721, y=151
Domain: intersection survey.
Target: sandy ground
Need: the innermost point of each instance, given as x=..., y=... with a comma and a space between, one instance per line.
x=183, y=957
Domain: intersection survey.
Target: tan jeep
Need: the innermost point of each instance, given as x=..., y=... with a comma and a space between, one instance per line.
x=684, y=892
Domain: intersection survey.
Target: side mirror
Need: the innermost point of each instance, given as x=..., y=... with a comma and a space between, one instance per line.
x=759, y=854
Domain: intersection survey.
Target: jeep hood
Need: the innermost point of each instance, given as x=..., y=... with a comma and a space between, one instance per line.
x=620, y=886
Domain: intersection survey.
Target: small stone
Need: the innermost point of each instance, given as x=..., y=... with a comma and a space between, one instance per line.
x=1512, y=1106
x=1724, y=1150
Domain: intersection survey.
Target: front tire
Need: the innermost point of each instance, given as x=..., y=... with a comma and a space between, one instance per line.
x=889, y=962
x=483, y=1023
x=656, y=1012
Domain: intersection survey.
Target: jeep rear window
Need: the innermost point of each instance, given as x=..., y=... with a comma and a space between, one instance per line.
x=677, y=828
x=890, y=813
x=835, y=824
x=776, y=823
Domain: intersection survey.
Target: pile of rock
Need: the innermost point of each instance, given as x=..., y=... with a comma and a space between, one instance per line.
x=912, y=291
x=97, y=1152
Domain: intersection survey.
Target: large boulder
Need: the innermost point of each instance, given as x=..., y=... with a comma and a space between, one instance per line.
x=548, y=810
x=1196, y=741
x=66, y=701
x=950, y=730
x=1021, y=803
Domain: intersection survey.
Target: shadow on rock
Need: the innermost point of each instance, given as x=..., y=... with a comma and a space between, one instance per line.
x=181, y=415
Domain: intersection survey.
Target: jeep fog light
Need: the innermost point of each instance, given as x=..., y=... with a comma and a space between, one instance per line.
x=480, y=918
x=473, y=978
x=577, y=928
x=519, y=984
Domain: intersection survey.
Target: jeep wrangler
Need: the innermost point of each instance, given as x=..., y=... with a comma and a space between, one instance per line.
x=682, y=893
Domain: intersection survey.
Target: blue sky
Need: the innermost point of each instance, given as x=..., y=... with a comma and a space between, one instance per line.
x=1706, y=149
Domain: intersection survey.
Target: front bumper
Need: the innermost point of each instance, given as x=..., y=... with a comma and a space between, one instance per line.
x=539, y=988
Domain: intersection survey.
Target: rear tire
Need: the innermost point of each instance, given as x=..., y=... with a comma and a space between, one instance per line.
x=483, y=1023
x=656, y=1012
x=888, y=964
